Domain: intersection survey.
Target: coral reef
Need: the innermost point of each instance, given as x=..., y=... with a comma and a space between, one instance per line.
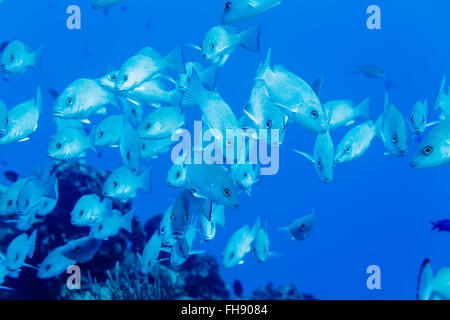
x=114, y=274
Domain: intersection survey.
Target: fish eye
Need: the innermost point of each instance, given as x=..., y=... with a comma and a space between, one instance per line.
x=81, y=213
x=11, y=58
x=69, y=100
x=395, y=138
x=319, y=163
x=178, y=174
x=314, y=114
x=245, y=174
x=113, y=77
x=269, y=124
x=47, y=267
x=7, y=120
x=58, y=145
x=101, y=133
x=347, y=150
x=115, y=184
x=10, y=202
x=163, y=229
x=427, y=150
x=100, y=227
x=227, y=193
x=228, y=5
x=186, y=216
x=172, y=216
x=125, y=78
x=302, y=227
x=148, y=125
x=212, y=45
x=232, y=255
x=128, y=155
x=143, y=146
x=412, y=118
x=76, y=249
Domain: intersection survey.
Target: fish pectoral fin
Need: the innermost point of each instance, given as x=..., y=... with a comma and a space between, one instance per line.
x=432, y=123
x=306, y=155
x=86, y=121
x=350, y=123
x=25, y=139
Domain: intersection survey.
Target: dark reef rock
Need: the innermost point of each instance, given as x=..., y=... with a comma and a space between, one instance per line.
x=114, y=271
x=285, y=292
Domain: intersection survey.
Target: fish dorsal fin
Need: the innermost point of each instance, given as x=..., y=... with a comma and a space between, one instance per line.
x=317, y=86
x=441, y=94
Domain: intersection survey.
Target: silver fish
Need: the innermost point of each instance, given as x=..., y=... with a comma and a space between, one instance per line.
x=434, y=150
x=356, y=142
x=293, y=96
x=123, y=184
x=323, y=157
x=23, y=120
x=18, y=58
x=300, y=229
x=393, y=130
x=239, y=245
x=241, y=10
x=221, y=41
x=161, y=123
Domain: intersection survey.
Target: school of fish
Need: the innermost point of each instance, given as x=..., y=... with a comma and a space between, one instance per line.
x=144, y=102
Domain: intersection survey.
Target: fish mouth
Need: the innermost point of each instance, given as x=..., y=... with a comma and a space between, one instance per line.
x=177, y=235
x=415, y=164
x=108, y=194
x=59, y=114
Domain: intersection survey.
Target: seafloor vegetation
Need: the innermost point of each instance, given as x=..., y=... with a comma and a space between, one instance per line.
x=114, y=273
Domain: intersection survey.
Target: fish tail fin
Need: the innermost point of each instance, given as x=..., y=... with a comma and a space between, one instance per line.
x=36, y=56
x=127, y=221
x=356, y=69
x=194, y=91
x=441, y=94
x=145, y=179
x=32, y=244
x=364, y=108
x=249, y=39
x=425, y=281
x=264, y=67
x=434, y=225
x=175, y=60
x=210, y=78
